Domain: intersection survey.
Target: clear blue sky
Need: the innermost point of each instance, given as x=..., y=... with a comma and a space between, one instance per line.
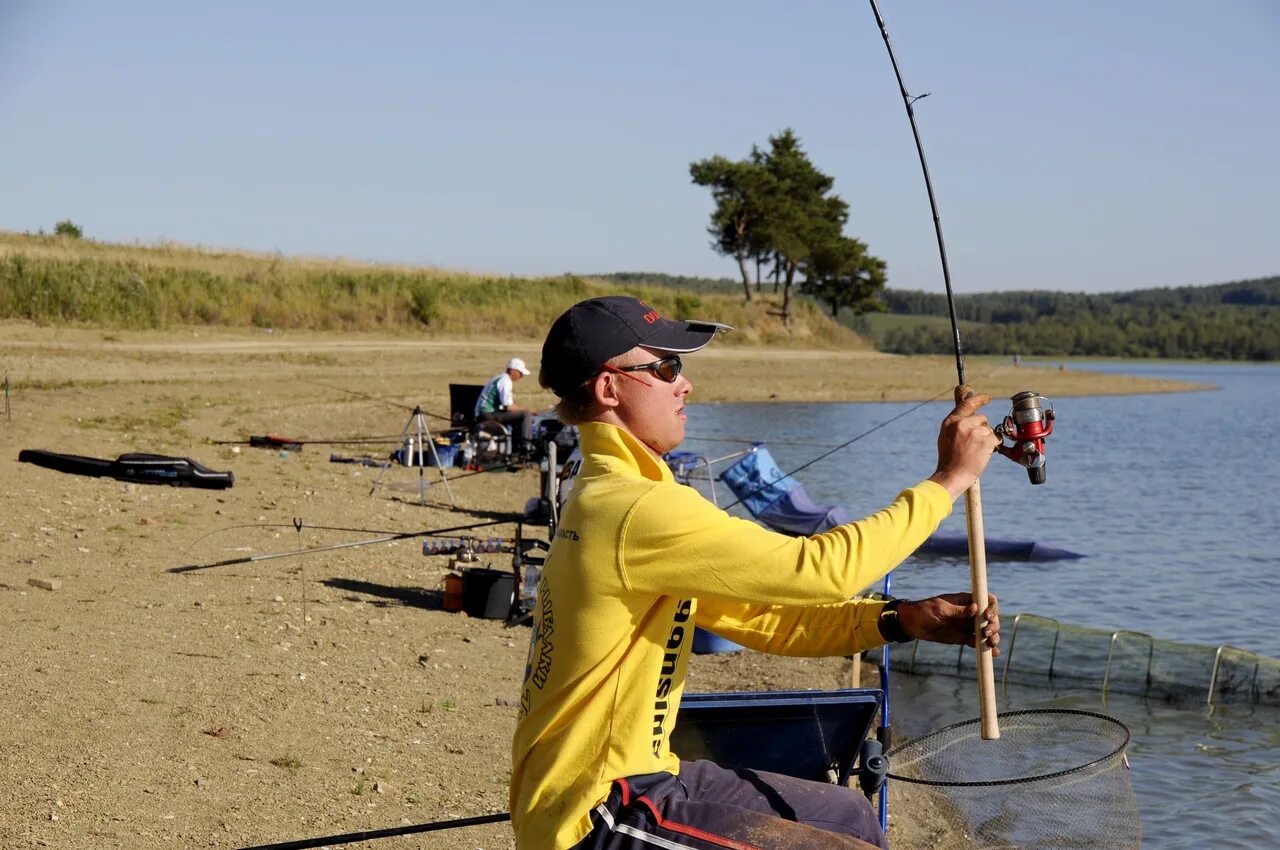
x=1074, y=145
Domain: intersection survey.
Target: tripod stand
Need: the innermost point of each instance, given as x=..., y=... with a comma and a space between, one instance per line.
x=415, y=441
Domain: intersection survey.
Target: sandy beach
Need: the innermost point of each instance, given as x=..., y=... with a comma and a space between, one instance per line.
x=311, y=695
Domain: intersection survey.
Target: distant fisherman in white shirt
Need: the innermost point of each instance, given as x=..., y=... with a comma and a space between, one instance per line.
x=497, y=403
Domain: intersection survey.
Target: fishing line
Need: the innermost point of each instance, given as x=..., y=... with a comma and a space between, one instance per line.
x=745, y=441
x=846, y=443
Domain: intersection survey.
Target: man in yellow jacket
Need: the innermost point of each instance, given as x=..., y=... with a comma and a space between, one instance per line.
x=638, y=561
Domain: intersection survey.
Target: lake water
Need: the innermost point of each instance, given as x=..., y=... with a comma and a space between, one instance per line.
x=1173, y=499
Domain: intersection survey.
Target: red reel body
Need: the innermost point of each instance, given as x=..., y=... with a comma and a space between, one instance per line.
x=1027, y=425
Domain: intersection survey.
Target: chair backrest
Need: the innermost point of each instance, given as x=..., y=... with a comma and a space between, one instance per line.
x=757, y=481
x=777, y=499
x=797, y=733
x=462, y=404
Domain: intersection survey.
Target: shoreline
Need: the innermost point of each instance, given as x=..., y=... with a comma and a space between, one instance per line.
x=38, y=357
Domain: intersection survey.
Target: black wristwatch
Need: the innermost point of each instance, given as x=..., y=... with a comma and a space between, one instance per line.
x=890, y=627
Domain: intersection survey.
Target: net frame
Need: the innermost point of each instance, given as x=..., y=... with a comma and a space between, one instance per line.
x=1055, y=778
x=917, y=743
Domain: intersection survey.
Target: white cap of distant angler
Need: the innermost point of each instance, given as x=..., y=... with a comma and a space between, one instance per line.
x=517, y=364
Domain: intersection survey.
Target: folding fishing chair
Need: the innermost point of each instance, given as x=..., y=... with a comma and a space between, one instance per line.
x=817, y=735
x=489, y=442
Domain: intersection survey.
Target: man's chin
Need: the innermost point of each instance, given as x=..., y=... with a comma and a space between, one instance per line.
x=668, y=445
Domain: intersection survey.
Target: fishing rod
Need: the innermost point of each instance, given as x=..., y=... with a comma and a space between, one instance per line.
x=403, y=535
x=273, y=440
x=973, y=496
x=390, y=832
x=909, y=102
x=414, y=408
x=299, y=525
x=383, y=463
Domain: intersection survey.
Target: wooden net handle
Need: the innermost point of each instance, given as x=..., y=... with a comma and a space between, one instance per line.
x=978, y=584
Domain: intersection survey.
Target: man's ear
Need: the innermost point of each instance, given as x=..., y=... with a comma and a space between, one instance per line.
x=605, y=391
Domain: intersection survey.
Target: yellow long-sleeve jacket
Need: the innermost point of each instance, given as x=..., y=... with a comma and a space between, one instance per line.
x=638, y=560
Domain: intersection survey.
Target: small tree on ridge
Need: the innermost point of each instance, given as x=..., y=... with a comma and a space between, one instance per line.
x=68, y=228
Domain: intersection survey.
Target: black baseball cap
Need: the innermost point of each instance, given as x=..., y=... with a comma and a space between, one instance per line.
x=592, y=332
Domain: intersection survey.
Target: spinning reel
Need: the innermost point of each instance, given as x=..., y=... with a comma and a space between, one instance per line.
x=1027, y=426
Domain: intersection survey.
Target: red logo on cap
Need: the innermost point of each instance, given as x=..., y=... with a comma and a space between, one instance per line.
x=652, y=316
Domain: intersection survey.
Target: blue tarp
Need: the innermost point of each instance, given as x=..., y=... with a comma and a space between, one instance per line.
x=780, y=502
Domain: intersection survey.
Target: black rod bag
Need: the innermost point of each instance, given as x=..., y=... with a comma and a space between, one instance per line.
x=140, y=468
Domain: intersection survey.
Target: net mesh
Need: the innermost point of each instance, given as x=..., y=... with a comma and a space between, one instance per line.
x=1054, y=778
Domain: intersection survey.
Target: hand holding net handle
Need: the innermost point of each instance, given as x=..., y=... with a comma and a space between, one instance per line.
x=978, y=584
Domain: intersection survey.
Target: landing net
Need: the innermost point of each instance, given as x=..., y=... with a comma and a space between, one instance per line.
x=1055, y=778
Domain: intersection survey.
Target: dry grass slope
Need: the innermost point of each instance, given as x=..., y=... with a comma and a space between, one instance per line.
x=60, y=281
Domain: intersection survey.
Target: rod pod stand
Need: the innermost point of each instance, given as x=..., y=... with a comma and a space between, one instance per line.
x=415, y=441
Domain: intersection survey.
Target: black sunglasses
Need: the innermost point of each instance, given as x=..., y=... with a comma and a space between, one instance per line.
x=667, y=369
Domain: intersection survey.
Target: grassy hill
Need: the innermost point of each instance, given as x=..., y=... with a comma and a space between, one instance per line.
x=60, y=280
x=57, y=280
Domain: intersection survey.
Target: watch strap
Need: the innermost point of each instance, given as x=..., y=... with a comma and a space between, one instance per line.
x=889, y=624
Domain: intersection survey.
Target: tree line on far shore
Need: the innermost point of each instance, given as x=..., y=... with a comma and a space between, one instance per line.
x=1228, y=321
